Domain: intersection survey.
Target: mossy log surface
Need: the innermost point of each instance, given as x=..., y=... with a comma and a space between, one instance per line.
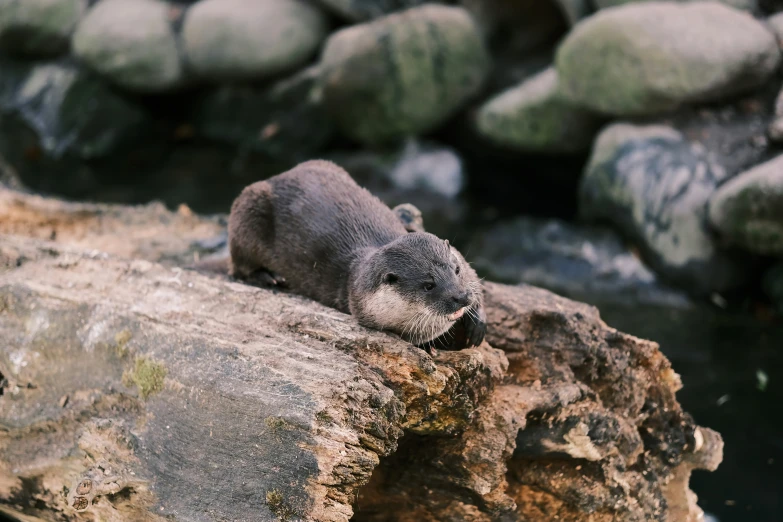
x=135, y=389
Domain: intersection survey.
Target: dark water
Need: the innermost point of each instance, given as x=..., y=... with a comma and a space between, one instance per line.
x=718, y=356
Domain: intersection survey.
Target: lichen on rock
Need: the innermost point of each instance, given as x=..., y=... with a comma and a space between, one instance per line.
x=653, y=185
x=402, y=74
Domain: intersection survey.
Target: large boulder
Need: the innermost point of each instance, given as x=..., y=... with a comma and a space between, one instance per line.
x=649, y=57
x=38, y=27
x=748, y=209
x=580, y=262
x=132, y=43
x=283, y=120
x=70, y=110
x=535, y=117
x=654, y=186
x=402, y=74
x=251, y=39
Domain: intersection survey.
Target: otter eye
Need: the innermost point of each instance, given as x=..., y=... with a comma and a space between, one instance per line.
x=428, y=286
x=390, y=278
x=456, y=270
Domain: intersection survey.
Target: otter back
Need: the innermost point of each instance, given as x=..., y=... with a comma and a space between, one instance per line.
x=310, y=224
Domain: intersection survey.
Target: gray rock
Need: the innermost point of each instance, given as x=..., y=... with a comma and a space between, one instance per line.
x=363, y=10
x=748, y=209
x=745, y=5
x=773, y=286
x=251, y=39
x=653, y=186
x=283, y=120
x=651, y=57
x=402, y=74
x=70, y=110
x=38, y=27
x=132, y=43
x=586, y=263
x=535, y=117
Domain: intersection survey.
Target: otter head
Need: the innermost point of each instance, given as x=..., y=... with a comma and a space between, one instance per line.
x=417, y=286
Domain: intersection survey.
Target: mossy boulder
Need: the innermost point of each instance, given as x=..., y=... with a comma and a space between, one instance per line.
x=650, y=57
x=132, y=43
x=251, y=39
x=653, y=186
x=402, y=74
x=748, y=209
x=38, y=27
x=535, y=117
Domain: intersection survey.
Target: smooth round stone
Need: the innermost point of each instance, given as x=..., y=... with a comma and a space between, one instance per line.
x=403, y=74
x=650, y=57
x=131, y=42
x=251, y=38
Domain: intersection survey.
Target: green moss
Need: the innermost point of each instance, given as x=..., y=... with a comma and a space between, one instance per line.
x=279, y=507
x=323, y=417
x=277, y=423
x=121, y=343
x=402, y=74
x=147, y=375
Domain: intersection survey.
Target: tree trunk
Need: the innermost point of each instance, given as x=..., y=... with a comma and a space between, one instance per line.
x=134, y=389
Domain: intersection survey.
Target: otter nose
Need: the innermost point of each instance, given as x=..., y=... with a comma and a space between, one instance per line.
x=461, y=299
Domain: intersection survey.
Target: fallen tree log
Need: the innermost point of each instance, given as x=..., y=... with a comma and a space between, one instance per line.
x=135, y=390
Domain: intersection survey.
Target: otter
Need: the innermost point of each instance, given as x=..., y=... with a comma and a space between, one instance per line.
x=314, y=230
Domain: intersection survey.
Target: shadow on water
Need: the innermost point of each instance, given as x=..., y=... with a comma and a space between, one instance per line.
x=723, y=360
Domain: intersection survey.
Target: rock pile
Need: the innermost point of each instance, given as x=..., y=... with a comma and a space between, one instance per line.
x=669, y=100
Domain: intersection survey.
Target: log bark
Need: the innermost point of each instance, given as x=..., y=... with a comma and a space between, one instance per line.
x=133, y=389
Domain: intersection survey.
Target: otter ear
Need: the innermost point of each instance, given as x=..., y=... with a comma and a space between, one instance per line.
x=390, y=278
x=447, y=242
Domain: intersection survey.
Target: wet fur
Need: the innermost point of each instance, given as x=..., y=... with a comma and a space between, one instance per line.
x=334, y=242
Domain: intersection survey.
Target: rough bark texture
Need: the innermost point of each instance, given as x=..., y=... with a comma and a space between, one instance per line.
x=133, y=389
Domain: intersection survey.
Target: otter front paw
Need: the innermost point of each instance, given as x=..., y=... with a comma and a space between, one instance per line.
x=475, y=324
x=266, y=278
